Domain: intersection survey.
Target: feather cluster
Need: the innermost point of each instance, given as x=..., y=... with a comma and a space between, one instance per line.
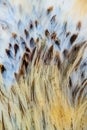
x=43, y=67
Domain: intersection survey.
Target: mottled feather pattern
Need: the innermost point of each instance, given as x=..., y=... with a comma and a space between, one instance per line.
x=43, y=66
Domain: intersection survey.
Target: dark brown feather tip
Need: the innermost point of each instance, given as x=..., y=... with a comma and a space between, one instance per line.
x=36, y=23
x=31, y=26
x=8, y=52
x=47, y=33
x=26, y=33
x=73, y=38
x=3, y=69
x=14, y=35
x=16, y=48
x=53, y=36
x=50, y=9
x=79, y=25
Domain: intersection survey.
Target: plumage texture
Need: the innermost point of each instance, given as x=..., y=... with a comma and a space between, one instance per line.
x=43, y=65
x=45, y=99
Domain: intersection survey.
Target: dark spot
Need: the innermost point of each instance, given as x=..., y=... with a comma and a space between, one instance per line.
x=16, y=76
x=26, y=56
x=32, y=43
x=49, y=55
x=65, y=26
x=4, y=3
x=53, y=36
x=14, y=35
x=73, y=38
x=78, y=25
x=26, y=33
x=47, y=33
x=73, y=53
x=50, y=9
x=25, y=63
x=27, y=49
x=65, y=53
x=36, y=23
x=22, y=41
x=67, y=34
x=16, y=48
x=82, y=75
x=53, y=19
x=3, y=69
x=70, y=82
x=84, y=64
x=76, y=48
x=8, y=52
x=10, y=45
x=57, y=42
x=31, y=26
x=25, y=60
x=57, y=60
